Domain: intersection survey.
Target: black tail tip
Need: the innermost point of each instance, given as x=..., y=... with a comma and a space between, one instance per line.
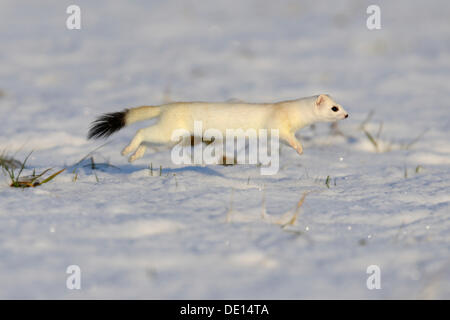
x=107, y=124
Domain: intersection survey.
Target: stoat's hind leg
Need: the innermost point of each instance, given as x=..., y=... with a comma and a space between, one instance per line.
x=134, y=144
x=138, y=153
x=153, y=134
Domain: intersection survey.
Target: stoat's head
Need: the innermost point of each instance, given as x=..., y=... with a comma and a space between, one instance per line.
x=326, y=109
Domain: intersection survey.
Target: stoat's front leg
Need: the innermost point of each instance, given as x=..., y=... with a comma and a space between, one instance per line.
x=293, y=142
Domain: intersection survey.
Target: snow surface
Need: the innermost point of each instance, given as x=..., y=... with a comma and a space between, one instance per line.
x=199, y=232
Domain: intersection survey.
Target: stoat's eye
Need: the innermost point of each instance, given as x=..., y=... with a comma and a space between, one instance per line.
x=335, y=109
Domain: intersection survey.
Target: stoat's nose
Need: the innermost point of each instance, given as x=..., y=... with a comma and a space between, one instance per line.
x=346, y=116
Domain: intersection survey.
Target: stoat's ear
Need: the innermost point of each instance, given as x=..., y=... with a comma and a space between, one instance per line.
x=320, y=100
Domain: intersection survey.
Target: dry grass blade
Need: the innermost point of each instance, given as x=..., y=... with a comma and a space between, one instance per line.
x=37, y=176
x=414, y=141
x=89, y=154
x=371, y=139
x=297, y=210
x=366, y=121
x=52, y=176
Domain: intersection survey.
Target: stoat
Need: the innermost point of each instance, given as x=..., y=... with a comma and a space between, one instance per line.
x=286, y=116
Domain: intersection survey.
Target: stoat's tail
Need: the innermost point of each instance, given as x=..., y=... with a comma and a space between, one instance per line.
x=108, y=123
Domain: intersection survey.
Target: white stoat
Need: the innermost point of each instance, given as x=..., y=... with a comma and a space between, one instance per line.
x=286, y=116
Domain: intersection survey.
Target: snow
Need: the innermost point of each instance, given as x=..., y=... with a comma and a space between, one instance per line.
x=200, y=232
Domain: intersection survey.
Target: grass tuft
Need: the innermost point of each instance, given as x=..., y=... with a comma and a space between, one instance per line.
x=33, y=180
x=378, y=144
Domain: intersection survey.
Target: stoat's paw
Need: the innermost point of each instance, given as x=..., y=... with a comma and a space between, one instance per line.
x=126, y=151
